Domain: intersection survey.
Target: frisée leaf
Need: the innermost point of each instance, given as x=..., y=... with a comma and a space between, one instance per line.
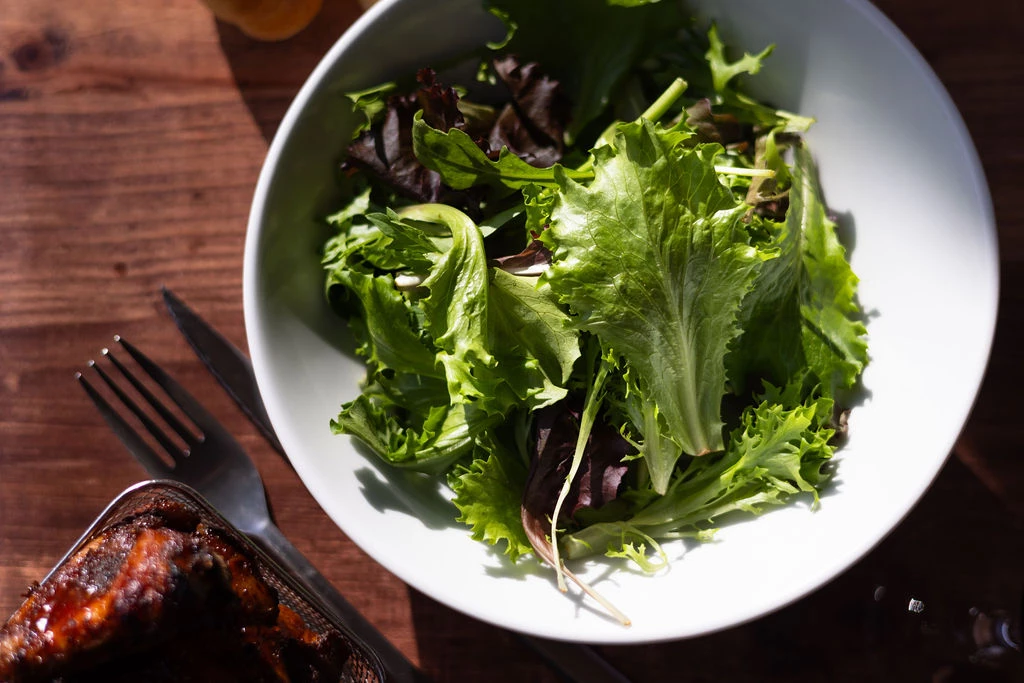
x=487, y=493
x=778, y=450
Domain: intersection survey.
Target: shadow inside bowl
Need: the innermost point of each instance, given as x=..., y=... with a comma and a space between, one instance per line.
x=411, y=493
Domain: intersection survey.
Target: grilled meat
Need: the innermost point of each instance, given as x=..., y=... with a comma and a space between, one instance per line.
x=162, y=597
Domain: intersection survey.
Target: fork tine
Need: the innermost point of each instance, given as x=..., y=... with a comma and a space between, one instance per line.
x=169, y=446
x=189, y=405
x=149, y=459
x=184, y=432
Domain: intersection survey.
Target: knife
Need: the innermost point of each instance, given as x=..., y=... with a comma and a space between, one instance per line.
x=232, y=369
x=226, y=362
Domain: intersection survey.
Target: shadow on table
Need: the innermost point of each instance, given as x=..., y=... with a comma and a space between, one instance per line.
x=269, y=74
x=988, y=444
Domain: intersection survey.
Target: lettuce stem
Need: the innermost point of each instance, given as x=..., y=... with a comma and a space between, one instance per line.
x=751, y=172
x=655, y=111
x=595, y=394
x=665, y=100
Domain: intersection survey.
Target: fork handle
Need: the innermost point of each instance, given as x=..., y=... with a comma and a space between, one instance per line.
x=398, y=668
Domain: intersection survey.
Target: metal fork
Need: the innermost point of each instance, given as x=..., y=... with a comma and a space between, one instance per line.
x=217, y=466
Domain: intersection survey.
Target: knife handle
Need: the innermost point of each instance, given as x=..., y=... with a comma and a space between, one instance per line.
x=397, y=667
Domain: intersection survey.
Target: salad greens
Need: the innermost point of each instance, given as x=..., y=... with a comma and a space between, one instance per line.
x=596, y=288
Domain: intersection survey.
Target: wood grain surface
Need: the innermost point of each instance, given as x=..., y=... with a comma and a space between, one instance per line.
x=131, y=136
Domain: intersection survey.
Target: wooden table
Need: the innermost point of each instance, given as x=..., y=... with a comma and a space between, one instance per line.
x=131, y=135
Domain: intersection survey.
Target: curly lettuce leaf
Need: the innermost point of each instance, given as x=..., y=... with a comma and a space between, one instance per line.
x=487, y=494
x=538, y=202
x=450, y=360
x=778, y=451
x=386, y=325
x=802, y=315
x=765, y=463
x=653, y=259
x=409, y=422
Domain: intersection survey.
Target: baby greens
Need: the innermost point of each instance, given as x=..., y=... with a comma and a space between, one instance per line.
x=597, y=288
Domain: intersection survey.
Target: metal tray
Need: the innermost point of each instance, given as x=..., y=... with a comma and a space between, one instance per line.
x=362, y=665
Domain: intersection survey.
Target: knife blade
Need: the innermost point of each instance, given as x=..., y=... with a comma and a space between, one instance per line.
x=225, y=361
x=574, y=662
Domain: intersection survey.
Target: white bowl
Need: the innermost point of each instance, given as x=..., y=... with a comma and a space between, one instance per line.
x=896, y=162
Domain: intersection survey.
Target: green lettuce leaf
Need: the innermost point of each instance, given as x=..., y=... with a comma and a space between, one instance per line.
x=778, y=451
x=386, y=325
x=428, y=439
x=763, y=465
x=833, y=334
x=487, y=495
x=500, y=341
x=371, y=103
x=447, y=362
x=802, y=314
x=537, y=202
x=734, y=100
x=537, y=345
x=456, y=308
x=723, y=70
x=653, y=258
x=462, y=164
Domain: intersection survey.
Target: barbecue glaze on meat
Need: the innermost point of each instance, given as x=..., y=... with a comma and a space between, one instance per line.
x=162, y=597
